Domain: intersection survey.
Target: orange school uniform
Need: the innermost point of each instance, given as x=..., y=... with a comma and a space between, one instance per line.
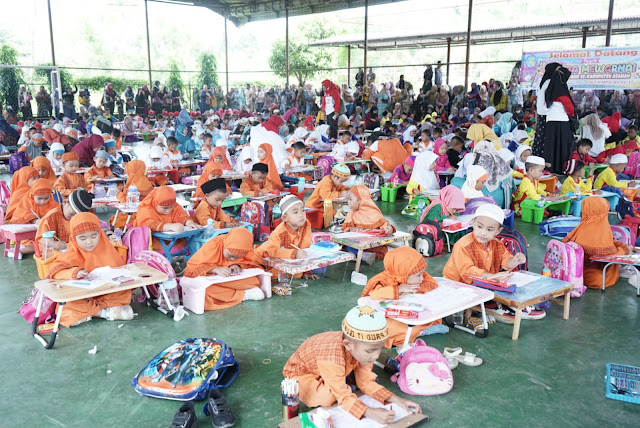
x=67, y=183
x=321, y=365
x=324, y=190
x=470, y=257
x=103, y=172
x=204, y=212
x=251, y=188
x=282, y=240
x=54, y=221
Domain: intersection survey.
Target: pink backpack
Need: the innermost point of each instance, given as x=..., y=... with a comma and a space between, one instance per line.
x=424, y=371
x=633, y=167
x=5, y=193
x=566, y=262
x=157, y=261
x=137, y=239
x=30, y=304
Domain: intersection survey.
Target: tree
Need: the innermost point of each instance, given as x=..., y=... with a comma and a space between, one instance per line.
x=174, y=76
x=10, y=78
x=304, y=61
x=208, y=65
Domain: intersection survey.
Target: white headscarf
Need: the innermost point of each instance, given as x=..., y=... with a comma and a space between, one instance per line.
x=300, y=133
x=406, y=136
x=467, y=161
x=519, y=151
x=59, y=127
x=421, y=174
x=24, y=136
x=241, y=167
x=474, y=173
x=519, y=134
x=506, y=138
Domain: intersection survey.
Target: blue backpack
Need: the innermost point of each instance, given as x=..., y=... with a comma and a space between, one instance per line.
x=515, y=243
x=559, y=226
x=187, y=370
x=17, y=160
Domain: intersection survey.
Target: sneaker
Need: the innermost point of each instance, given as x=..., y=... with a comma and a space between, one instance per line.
x=368, y=258
x=118, y=313
x=531, y=313
x=11, y=252
x=82, y=321
x=627, y=271
x=218, y=409
x=185, y=417
x=253, y=294
x=502, y=311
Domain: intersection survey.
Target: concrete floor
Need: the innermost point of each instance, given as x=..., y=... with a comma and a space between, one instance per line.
x=552, y=376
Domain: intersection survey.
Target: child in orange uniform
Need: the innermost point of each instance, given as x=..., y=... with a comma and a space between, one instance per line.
x=323, y=362
x=215, y=192
x=70, y=181
x=257, y=183
x=99, y=169
x=330, y=187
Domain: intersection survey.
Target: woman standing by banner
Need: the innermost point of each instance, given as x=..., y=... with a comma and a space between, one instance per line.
x=554, y=138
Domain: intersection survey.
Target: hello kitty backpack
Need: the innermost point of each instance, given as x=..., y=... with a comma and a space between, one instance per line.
x=424, y=371
x=565, y=260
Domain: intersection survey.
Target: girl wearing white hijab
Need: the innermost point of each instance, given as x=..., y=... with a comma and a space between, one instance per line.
x=476, y=177
x=407, y=137
x=245, y=167
x=519, y=164
x=423, y=176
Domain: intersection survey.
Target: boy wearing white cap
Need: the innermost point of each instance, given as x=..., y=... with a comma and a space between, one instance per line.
x=607, y=179
x=529, y=187
x=479, y=253
x=323, y=362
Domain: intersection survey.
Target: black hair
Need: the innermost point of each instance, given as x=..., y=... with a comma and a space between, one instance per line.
x=456, y=140
x=426, y=131
x=116, y=132
x=579, y=166
x=634, y=127
x=522, y=126
x=206, y=135
x=172, y=140
x=291, y=129
x=299, y=145
x=347, y=133
x=528, y=166
x=33, y=128
x=585, y=142
x=437, y=130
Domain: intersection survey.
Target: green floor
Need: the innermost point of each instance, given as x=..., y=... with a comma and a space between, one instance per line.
x=551, y=377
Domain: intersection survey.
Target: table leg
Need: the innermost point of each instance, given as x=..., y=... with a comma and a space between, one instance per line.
x=604, y=274
x=485, y=322
x=126, y=223
x=115, y=218
x=567, y=305
x=56, y=328
x=406, y=345
x=516, y=324
x=358, y=260
x=448, y=243
x=16, y=251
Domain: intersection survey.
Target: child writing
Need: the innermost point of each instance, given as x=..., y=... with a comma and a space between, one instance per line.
x=226, y=255
x=297, y=157
x=89, y=248
x=477, y=176
x=529, y=188
x=607, y=179
x=330, y=187
x=21, y=183
x=70, y=180
x=245, y=161
x=157, y=161
x=574, y=183
x=114, y=157
x=339, y=152
x=56, y=150
x=582, y=152
x=207, y=147
x=522, y=154
x=135, y=170
x=58, y=219
x=42, y=165
x=364, y=214
x=449, y=202
x=404, y=273
x=257, y=183
x=215, y=192
x=402, y=173
x=441, y=148
x=323, y=362
x=37, y=202
x=99, y=169
x=423, y=176
x=425, y=140
x=220, y=155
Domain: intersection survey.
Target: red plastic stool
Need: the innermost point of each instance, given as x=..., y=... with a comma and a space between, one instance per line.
x=315, y=217
x=633, y=223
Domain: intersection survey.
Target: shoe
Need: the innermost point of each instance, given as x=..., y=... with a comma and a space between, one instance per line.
x=185, y=417
x=502, y=312
x=82, y=321
x=627, y=271
x=118, y=313
x=253, y=294
x=368, y=258
x=218, y=409
x=11, y=252
x=531, y=313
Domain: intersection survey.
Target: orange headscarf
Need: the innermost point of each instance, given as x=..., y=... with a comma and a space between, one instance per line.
x=222, y=152
x=27, y=207
x=213, y=168
x=160, y=196
x=368, y=215
x=104, y=254
x=41, y=163
x=136, y=171
x=593, y=233
x=238, y=241
x=400, y=264
x=273, y=169
x=19, y=187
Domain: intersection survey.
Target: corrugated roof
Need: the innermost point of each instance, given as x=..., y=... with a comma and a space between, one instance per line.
x=558, y=28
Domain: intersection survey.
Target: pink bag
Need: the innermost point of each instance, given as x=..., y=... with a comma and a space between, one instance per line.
x=137, y=239
x=30, y=304
x=566, y=263
x=633, y=167
x=5, y=193
x=424, y=371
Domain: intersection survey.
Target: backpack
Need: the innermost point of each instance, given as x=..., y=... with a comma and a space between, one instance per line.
x=30, y=304
x=158, y=262
x=187, y=370
x=621, y=234
x=424, y=371
x=633, y=167
x=566, y=262
x=17, y=160
x=5, y=194
x=559, y=226
x=472, y=204
x=104, y=124
x=515, y=243
x=371, y=180
x=428, y=239
x=256, y=214
x=137, y=239
x=325, y=163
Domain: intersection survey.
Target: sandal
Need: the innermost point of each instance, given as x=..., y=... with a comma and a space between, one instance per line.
x=218, y=409
x=450, y=354
x=468, y=359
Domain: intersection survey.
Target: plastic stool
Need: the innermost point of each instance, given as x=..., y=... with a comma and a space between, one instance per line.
x=315, y=217
x=530, y=210
x=550, y=183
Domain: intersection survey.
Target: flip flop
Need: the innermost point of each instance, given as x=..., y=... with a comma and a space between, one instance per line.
x=468, y=359
x=450, y=354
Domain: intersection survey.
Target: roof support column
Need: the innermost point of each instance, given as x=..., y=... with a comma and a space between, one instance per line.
x=448, y=56
x=584, y=36
x=286, y=11
x=146, y=21
x=466, y=61
x=366, y=39
x=53, y=51
x=226, y=54
x=609, y=20
x=349, y=65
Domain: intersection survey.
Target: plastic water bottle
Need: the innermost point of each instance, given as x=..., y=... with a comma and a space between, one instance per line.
x=300, y=184
x=47, y=244
x=541, y=202
x=420, y=208
x=133, y=197
x=578, y=192
x=276, y=211
x=171, y=289
x=209, y=230
x=458, y=318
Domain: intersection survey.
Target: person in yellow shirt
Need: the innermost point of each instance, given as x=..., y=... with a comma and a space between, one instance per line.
x=529, y=187
x=607, y=180
x=575, y=174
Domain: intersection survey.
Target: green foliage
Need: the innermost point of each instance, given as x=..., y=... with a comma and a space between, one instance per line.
x=10, y=78
x=66, y=79
x=208, y=66
x=174, y=76
x=98, y=83
x=304, y=61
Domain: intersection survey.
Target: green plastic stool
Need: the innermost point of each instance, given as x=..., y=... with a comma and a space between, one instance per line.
x=530, y=211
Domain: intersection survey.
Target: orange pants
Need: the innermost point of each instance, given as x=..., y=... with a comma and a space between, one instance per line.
x=227, y=294
x=158, y=180
x=80, y=309
x=398, y=332
x=593, y=275
x=314, y=392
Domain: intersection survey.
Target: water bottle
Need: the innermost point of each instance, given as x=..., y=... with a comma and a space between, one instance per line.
x=133, y=197
x=300, y=184
x=458, y=318
x=578, y=188
x=209, y=230
x=541, y=202
x=392, y=365
x=276, y=211
x=171, y=289
x=47, y=244
x=420, y=208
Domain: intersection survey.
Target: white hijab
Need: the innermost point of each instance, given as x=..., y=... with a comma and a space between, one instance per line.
x=422, y=175
x=467, y=161
x=241, y=167
x=519, y=151
x=406, y=136
x=474, y=173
